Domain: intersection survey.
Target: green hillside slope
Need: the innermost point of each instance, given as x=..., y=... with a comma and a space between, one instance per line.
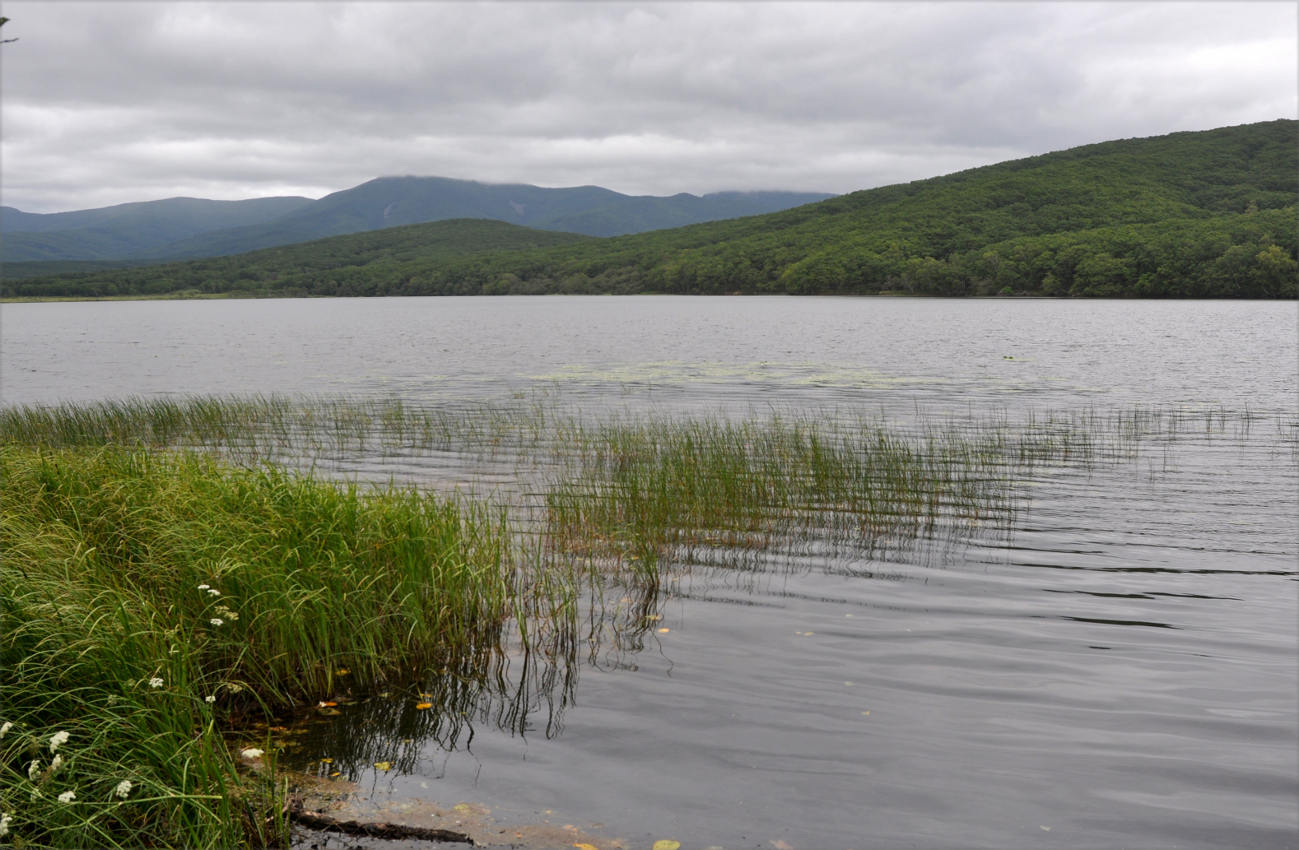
x=1204, y=214
x=281, y=271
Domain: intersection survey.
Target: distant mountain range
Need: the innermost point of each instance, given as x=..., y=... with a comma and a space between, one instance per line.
x=183, y=228
x=1207, y=214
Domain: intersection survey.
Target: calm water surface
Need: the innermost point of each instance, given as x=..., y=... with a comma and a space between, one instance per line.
x=1118, y=672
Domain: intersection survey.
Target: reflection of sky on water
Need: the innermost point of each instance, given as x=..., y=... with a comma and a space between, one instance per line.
x=1053, y=353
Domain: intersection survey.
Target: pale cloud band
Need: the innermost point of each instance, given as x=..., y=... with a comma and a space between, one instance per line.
x=109, y=102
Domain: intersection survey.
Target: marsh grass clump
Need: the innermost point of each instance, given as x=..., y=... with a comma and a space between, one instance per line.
x=299, y=432
x=151, y=601
x=639, y=491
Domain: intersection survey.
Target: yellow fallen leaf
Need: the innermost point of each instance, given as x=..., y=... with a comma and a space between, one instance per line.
x=335, y=775
x=423, y=705
x=383, y=765
x=666, y=844
x=664, y=630
x=342, y=671
x=585, y=847
x=326, y=761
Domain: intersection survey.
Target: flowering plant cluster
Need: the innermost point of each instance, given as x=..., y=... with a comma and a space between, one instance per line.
x=41, y=776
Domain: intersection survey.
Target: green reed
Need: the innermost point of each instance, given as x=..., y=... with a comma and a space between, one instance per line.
x=150, y=602
x=637, y=491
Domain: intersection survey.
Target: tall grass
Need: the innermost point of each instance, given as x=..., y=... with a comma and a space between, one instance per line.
x=150, y=601
x=639, y=491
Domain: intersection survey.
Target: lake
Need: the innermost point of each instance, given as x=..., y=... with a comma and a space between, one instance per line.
x=1116, y=667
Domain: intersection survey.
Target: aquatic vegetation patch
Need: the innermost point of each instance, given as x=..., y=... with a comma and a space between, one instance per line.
x=642, y=490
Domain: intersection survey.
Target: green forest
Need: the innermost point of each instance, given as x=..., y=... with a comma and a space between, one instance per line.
x=1207, y=214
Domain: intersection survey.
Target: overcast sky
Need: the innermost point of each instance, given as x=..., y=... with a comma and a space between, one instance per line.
x=108, y=102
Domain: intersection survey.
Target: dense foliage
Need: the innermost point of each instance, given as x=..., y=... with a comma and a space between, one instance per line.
x=1202, y=215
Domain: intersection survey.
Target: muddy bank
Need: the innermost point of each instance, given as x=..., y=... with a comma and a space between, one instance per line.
x=337, y=815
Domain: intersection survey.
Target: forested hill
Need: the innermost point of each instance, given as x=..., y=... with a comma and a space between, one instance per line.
x=1200, y=214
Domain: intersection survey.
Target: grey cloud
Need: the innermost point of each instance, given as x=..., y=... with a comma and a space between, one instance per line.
x=121, y=101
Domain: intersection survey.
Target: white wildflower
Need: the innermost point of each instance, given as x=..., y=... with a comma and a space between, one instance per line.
x=204, y=586
x=67, y=796
x=5, y=727
x=217, y=621
x=234, y=687
x=34, y=769
x=56, y=763
x=123, y=788
x=57, y=739
x=251, y=753
x=210, y=698
x=155, y=682
x=212, y=591
x=4, y=824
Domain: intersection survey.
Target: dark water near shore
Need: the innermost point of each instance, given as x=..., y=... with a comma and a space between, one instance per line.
x=1120, y=671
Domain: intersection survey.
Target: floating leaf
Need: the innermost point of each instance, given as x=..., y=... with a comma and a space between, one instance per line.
x=664, y=630
x=383, y=765
x=423, y=705
x=335, y=775
x=585, y=847
x=666, y=844
x=326, y=761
